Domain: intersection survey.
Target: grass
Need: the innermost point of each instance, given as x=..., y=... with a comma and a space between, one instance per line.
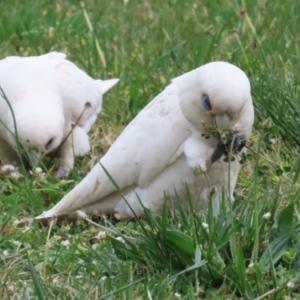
x=251, y=250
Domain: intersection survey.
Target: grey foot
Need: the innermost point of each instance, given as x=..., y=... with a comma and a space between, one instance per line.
x=62, y=171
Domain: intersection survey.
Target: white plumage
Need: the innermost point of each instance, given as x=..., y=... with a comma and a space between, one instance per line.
x=48, y=95
x=162, y=150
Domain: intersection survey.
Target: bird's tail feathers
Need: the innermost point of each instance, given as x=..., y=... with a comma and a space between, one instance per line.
x=95, y=187
x=64, y=209
x=56, y=55
x=106, y=85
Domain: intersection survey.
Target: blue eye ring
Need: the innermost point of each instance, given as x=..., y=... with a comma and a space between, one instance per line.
x=48, y=146
x=206, y=102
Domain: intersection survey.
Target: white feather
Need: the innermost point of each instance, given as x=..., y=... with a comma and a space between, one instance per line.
x=162, y=151
x=49, y=95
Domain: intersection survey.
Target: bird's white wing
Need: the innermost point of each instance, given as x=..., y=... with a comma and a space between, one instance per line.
x=82, y=95
x=151, y=142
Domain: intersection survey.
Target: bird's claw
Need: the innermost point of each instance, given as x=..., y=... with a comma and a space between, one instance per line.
x=238, y=142
x=234, y=142
x=198, y=169
x=62, y=171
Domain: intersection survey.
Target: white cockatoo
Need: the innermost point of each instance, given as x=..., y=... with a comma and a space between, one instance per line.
x=54, y=105
x=170, y=146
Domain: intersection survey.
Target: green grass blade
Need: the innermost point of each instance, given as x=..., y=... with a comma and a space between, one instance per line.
x=39, y=287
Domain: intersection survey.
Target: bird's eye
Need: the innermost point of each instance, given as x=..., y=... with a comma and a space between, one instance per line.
x=49, y=144
x=205, y=102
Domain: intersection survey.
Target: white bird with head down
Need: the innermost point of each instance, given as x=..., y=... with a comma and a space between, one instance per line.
x=163, y=150
x=54, y=105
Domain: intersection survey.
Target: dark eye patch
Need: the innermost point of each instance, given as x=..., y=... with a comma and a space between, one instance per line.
x=206, y=102
x=49, y=144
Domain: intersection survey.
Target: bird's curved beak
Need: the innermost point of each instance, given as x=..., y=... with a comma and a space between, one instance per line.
x=212, y=113
x=42, y=151
x=33, y=156
x=222, y=121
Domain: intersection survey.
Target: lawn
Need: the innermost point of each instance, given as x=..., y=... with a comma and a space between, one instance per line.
x=251, y=250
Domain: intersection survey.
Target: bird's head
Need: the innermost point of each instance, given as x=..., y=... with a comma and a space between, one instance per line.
x=217, y=95
x=40, y=128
